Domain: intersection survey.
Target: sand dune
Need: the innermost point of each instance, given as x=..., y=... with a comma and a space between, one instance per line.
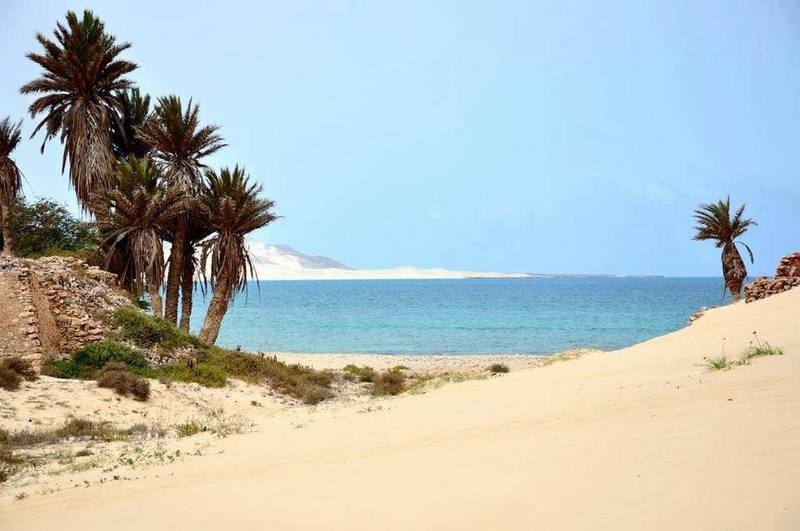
x=281, y=262
x=642, y=438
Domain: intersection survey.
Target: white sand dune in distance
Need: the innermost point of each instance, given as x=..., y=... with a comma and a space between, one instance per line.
x=281, y=262
x=646, y=437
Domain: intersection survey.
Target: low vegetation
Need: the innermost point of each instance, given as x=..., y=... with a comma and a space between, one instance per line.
x=756, y=350
x=364, y=374
x=46, y=228
x=719, y=363
x=13, y=371
x=498, y=368
x=116, y=376
x=15, y=446
x=187, y=429
x=187, y=359
x=389, y=382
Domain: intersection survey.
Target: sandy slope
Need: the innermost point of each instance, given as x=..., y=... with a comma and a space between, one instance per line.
x=642, y=438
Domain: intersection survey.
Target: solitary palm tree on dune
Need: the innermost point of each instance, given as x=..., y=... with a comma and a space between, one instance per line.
x=10, y=179
x=82, y=72
x=234, y=209
x=714, y=222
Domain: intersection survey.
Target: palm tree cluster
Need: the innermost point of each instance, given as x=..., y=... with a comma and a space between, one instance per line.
x=138, y=169
x=714, y=222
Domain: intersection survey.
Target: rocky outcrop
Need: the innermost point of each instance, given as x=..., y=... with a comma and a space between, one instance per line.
x=787, y=276
x=789, y=266
x=51, y=306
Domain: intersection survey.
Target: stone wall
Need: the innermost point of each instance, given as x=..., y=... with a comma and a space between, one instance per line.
x=51, y=306
x=787, y=276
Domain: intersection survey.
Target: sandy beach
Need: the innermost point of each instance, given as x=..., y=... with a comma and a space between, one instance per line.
x=646, y=437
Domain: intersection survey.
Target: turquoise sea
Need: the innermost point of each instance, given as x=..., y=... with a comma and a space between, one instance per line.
x=534, y=316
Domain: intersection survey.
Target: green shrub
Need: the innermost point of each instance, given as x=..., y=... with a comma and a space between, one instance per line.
x=46, y=228
x=187, y=429
x=210, y=366
x=719, y=363
x=763, y=350
x=360, y=374
x=206, y=374
x=86, y=362
x=116, y=376
x=389, y=382
x=147, y=331
x=97, y=354
x=498, y=368
x=304, y=383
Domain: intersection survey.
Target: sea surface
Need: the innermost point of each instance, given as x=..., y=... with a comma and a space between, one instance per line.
x=530, y=316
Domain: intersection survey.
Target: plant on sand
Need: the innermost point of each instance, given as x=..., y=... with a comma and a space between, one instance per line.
x=115, y=376
x=390, y=382
x=187, y=429
x=359, y=374
x=498, y=368
x=13, y=371
x=718, y=363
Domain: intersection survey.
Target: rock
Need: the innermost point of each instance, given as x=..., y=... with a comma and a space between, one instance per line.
x=63, y=304
x=789, y=266
x=787, y=276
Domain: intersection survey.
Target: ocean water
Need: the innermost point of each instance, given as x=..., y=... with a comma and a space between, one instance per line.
x=485, y=316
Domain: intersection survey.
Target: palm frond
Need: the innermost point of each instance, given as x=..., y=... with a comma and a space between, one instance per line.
x=234, y=209
x=10, y=174
x=82, y=72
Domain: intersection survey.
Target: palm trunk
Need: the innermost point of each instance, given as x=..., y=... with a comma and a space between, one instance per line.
x=217, y=309
x=8, y=240
x=175, y=272
x=733, y=269
x=187, y=288
x=155, y=299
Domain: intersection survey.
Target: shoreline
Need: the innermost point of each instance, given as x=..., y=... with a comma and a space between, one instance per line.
x=430, y=363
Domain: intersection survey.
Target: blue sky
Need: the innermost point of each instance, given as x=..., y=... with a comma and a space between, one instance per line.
x=514, y=136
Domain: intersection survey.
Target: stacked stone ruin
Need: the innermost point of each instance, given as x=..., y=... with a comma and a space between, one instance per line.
x=787, y=276
x=54, y=305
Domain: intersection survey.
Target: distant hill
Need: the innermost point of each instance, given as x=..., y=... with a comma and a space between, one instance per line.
x=278, y=262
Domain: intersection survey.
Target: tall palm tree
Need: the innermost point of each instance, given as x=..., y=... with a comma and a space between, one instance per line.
x=133, y=109
x=10, y=179
x=234, y=209
x=197, y=229
x=139, y=208
x=82, y=71
x=177, y=144
x=714, y=222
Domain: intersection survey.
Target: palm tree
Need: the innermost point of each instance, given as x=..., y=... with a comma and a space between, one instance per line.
x=139, y=208
x=177, y=145
x=197, y=229
x=10, y=179
x=82, y=71
x=133, y=110
x=714, y=222
x=234, y=209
